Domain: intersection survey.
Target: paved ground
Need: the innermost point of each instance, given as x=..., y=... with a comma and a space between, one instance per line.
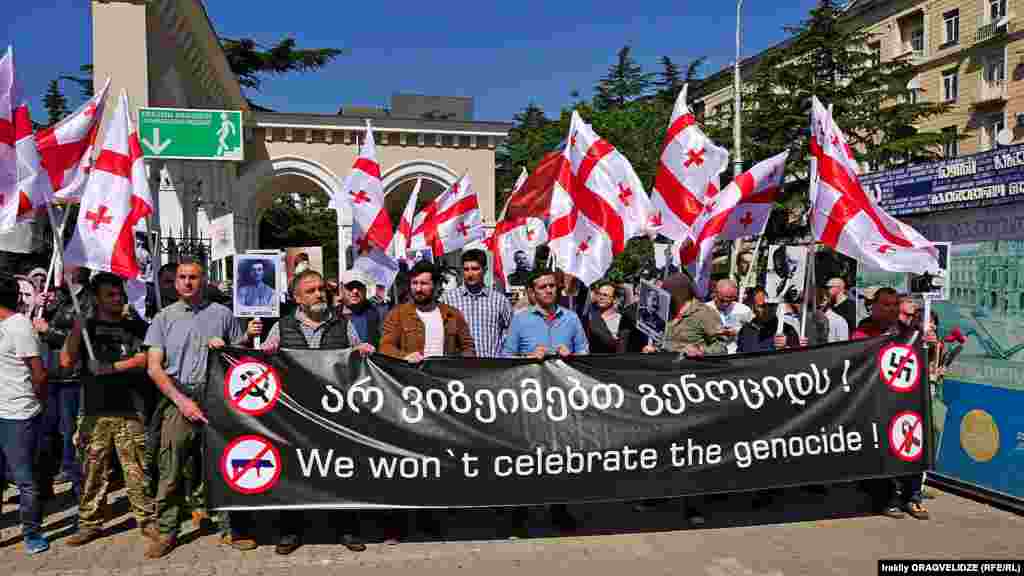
x=798, y=533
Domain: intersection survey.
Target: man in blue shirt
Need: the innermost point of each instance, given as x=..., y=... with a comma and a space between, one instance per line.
x=545, y=328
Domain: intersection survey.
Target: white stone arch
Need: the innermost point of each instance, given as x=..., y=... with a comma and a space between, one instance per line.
x=427, y=169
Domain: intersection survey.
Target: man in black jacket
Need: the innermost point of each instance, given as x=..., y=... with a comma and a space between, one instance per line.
x=313, y=325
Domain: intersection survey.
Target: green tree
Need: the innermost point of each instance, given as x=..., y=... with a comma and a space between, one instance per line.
x=84, y=81
x=302, y=220
x=55, y=103
x=626, y=81
x=251, y=61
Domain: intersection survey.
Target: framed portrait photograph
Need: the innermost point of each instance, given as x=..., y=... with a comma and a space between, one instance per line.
x=653, y=311
x=257, y=285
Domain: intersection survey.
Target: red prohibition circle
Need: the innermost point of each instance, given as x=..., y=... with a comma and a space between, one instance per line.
x=269, y=371
x=225, y=470
x=896, y=450
x=889, y=380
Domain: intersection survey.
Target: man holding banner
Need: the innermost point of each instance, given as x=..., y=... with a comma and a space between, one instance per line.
x=179, y=341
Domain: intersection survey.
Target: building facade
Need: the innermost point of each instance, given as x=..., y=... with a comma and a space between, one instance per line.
x=966, y=53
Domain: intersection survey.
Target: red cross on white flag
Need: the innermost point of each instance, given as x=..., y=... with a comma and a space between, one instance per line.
x=115, y=198
x=847, y=219
x=688, y=172
x=598, y=200
x=67, y=147
x=451, y=221
x=403, y=234
x=741, y=209
x=24, y=187
x=363, y=194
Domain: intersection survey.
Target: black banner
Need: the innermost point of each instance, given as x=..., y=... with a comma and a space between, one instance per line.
x=327, y=428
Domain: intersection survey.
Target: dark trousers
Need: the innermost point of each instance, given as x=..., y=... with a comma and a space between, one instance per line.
x=905, y=490
x=58, y=431
x=18, y=442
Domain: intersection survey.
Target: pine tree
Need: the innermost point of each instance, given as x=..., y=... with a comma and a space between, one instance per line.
x=55, y=103
x=670, y=79
x=625, y=81
x=250, y=61
x=84, y=82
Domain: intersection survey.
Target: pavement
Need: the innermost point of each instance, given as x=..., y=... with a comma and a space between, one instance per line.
x=798, y=532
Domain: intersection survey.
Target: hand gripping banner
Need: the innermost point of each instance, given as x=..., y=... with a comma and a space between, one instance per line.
x=330, y=429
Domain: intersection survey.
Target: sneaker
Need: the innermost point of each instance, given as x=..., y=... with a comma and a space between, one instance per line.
x=35, y=543
x=289, y=543
x=83, y=537
x=353, y=543
x=61, y=478
x=695, y=518
x=893, y=511
x=918, y=511
x=160, y=547
x=243, y=543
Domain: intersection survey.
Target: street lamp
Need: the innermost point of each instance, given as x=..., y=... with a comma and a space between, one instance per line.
x=737, y=155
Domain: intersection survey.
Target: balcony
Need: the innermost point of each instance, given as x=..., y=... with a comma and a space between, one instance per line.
x=993, y=31
x=990, y=94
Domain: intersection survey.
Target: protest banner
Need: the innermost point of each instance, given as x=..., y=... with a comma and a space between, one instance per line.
x=330, y=429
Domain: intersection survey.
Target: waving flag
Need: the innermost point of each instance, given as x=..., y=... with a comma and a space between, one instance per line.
x=363, y=190
x=399, y=248
x=9, y=196
x=511, y=237
x=741, y=209
x=847, y=219
x=595, y=208
x=115, y=198
x=687, y=173
x=451, y=221
x=66, y=147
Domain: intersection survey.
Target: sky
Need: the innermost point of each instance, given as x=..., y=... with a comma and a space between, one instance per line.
x=503, y=54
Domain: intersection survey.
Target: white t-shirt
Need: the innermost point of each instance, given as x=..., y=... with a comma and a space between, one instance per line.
x=17, y=342
x=837, y=328
x=434, y=343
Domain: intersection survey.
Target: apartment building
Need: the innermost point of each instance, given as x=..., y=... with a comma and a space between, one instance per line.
x=969, y=53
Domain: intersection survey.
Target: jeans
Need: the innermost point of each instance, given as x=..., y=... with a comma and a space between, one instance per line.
x=18, y=442
x=60, y=418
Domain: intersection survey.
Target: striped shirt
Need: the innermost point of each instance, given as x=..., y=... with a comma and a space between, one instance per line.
x=488, y=314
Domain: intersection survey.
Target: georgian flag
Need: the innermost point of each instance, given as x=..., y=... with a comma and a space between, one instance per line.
x=688, y=172
x=597, y=205
x=10, y=198
x=741, y=209
x=67, y=147
x=847, y=219
x=399, y=248
x=30, y=189
x=115, y=198
x=451, y=221
x=364, y=191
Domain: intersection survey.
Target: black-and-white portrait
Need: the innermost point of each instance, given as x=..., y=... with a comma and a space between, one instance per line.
x=934, y=284
x=522, y=267
x=143, y=257
x=426, y=254
x=256, y=285
x=653, y=311
x=786, y=268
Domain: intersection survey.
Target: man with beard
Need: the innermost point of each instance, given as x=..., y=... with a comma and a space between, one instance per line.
x=423, y=328
x=313, y=325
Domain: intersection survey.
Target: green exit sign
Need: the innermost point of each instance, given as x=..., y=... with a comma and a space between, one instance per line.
x=188, y=134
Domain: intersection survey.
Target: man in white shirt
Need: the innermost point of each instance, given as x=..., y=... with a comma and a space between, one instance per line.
x=22, y=392
x=733, y=314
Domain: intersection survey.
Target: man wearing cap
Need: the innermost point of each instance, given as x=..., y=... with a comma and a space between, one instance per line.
x=38, y=278
x=364, y=317
x=488, y=313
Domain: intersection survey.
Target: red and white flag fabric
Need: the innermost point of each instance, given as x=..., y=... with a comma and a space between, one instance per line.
x=597, y=205
x=399, y=248
x=8, y=156
x=847, y=219
x=364, y=192
x=688, y=173
x=741, y=209
x=516, y=188
x=67, y=147
x=451, y=221
x=512, y=237
x=115, y=198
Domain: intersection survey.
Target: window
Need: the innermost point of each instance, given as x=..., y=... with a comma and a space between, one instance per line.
x=950, y=144
x=990, y=131
x=917, y=40
x=951, y=22
x=950, y=86
x=995, y=69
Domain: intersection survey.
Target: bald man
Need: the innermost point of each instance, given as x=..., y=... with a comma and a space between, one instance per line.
x=733, y=314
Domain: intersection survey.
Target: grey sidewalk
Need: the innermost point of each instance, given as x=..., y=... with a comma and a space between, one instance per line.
x=798, y=533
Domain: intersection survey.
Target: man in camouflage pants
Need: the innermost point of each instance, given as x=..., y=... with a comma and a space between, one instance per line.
x=115, y=388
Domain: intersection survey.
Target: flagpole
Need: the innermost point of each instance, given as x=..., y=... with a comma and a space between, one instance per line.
x=58, y=240
x=74, y=298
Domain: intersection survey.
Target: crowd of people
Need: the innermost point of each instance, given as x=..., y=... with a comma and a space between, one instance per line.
x=85, y=379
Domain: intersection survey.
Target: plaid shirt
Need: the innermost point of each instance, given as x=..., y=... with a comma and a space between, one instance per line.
x=488, y=314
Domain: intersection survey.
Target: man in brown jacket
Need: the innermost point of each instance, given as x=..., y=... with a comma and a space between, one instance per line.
x=424, y=328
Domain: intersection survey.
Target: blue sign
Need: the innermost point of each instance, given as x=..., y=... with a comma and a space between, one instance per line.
x=983, y=179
